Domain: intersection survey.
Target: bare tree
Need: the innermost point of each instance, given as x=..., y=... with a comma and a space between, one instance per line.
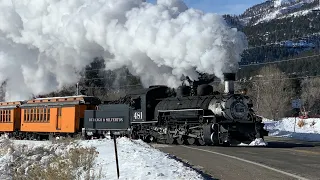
x=310, y=92
x=273, y=92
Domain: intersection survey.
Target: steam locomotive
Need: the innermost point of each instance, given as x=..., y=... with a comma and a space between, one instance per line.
x=157, y=114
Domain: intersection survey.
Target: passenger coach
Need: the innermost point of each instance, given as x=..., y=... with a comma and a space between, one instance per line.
x=44, y=118
x=10, y=117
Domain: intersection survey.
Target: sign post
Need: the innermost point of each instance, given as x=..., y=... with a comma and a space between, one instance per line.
x=116, y=152
x=296, y=105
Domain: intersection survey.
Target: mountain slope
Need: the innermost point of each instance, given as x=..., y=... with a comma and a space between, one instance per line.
x=278, y=30
x=276, y=9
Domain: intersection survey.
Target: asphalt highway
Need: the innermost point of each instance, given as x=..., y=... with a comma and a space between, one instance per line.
x=283, y=159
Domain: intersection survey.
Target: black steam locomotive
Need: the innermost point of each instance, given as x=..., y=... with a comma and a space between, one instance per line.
x=158, y=114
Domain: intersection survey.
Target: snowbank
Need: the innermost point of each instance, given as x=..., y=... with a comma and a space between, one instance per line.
x=137, y=160
x=287, y=127
x=256, y=142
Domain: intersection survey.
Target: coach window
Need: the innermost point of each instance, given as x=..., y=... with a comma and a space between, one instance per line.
x=38, y=115
x=28, y=115
x=2, y=112
x=5, y=115
x=31, y=114
x=35, y=115
x=0, y=115
x=9, y=116
x=45, y=114
x=24, y=115
x=41, y=115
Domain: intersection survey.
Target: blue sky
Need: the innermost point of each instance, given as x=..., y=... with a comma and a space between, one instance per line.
x=220, y=6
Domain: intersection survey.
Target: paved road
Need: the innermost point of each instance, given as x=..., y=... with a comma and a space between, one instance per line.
x=282, y=159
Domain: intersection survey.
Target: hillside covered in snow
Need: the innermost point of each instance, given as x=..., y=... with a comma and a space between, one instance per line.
x=278, y=30
x=276, y=9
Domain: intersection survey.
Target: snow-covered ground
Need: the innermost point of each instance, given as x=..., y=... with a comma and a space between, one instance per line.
x=256, y=142
x=288, y=127
x=137, y=160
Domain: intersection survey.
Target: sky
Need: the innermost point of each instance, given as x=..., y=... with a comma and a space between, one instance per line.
x=220, y=6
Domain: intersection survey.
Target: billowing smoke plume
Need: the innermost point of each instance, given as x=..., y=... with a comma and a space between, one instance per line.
x=44, y=43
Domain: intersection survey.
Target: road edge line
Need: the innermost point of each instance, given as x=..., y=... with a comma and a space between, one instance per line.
x=250, y=162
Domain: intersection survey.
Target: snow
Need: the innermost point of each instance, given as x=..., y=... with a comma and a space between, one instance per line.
x=289, y=127
x=282, y=9
x=137, y=160
x=268, y=17
x=256, y=142
x=279, y=3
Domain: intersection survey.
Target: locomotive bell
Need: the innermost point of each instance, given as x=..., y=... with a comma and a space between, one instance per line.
x=229, y=79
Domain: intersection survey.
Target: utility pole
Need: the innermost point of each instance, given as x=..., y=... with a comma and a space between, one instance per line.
x=258, y=97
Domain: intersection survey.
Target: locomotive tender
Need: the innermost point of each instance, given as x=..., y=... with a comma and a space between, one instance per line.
x=155, y=115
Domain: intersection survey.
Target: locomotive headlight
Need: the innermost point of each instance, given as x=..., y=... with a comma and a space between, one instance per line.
x=239, y=110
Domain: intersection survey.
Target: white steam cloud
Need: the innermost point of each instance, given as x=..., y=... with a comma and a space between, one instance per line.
x=44, y=43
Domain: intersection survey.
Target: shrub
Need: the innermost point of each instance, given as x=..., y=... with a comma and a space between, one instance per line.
x=301, y=123
x=47, y=164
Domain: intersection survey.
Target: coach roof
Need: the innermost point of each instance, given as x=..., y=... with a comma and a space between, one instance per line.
x=67, y=100
x=13, y=104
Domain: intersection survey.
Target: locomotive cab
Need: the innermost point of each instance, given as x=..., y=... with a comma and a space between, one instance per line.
x=143, y=102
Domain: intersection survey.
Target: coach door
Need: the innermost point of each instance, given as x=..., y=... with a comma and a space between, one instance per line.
x=59, y=116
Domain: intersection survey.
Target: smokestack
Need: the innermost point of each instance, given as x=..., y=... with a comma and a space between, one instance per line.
x=229, y=79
